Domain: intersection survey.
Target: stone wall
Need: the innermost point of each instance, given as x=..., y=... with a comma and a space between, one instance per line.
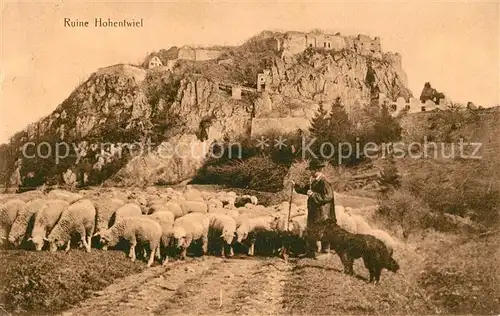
x=297, y=42
x=187, y=53
x=206, y=54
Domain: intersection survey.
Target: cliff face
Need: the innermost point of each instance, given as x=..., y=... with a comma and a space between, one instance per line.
x=321, y=76
x=131, y=126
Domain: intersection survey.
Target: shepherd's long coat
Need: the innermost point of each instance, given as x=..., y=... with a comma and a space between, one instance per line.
x=321, y=204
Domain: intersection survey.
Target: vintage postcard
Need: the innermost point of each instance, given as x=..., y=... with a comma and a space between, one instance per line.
x=249, y=157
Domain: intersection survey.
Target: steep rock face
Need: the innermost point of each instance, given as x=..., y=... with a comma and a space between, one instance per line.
x=110, y=124
x=323, y=76
x=298, y=83
x=110, y=96
x=208, y=115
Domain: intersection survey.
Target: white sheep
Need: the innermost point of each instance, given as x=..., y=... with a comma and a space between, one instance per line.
x=78, y=218
x=344, y=220
x=20, y=226
x=296, y=226
x=389, y=242
x=249, y=206
x=193, y=195
x=220, y=210
x=134, y=230
x=157, y=207
x=301, y=220
x=127, y=210
x=44, y=221
x=8, y=214
x=157, y=201
x=247, y=215
x=29, y=195
x=105, y=208
x=165, y=219
x=231, y=193
x=186, y=229
x=206, y=195
x=286, y=228
x=215, y=202
x=222, y=230
x=193, y=207
x=250, y=227
x=64, y=195
x=228, y=201
x=244, y=199
x=175, y=208
x=362, y=227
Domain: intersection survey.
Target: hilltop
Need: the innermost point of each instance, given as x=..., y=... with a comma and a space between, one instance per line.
x=199, y=95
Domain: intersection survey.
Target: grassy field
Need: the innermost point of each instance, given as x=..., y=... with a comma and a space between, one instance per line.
x=50, y=282
x=442, y=274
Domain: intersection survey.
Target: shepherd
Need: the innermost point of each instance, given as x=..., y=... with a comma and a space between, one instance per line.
x=320, y=206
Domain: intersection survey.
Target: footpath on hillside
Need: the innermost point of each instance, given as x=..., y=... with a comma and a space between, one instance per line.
x=208, y=285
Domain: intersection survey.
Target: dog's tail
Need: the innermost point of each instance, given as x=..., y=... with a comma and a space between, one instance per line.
x=392, y=265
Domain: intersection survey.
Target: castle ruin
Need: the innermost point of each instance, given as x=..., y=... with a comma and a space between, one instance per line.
x=296, y=42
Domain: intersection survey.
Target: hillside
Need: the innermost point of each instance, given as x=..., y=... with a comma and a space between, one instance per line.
x=190, y=102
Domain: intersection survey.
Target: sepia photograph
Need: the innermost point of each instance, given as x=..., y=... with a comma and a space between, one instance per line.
x=249, y=157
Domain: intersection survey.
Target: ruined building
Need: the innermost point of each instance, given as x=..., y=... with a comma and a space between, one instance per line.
x=296, y=42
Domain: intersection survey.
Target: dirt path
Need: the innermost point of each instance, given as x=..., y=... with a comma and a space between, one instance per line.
x=198, y=286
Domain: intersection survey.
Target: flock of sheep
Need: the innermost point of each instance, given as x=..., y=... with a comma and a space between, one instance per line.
x=160, y=225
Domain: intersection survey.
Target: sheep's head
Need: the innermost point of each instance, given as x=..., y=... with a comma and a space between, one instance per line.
x=38, y=241
x=12, y=240
x=55, y=242
x=242, y=234
x=179, y=235
x=254, y=200
x=228, y=236
x=106, y=239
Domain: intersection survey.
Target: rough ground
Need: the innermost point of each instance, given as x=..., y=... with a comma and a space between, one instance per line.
x=198, y=286
x=256, y=286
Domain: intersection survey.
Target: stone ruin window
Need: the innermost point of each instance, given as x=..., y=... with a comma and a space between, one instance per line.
x=423, y=109
x=310, y=45
x=329, y=45
x=324, y=44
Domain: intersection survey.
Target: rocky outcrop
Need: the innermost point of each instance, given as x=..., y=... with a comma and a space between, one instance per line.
x=324, y=76
x=118, y=123
x=429, y=93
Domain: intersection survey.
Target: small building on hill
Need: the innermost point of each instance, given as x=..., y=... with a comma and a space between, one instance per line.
x=154, y=62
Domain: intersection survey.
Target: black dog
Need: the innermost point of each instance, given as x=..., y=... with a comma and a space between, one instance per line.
x=351, y=246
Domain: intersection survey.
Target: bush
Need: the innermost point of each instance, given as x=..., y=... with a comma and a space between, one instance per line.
x=404, y=209
x=257, y=173
x=389, y=179
x=160, y=85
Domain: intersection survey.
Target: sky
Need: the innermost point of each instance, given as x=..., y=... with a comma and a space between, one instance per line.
x=452, y=44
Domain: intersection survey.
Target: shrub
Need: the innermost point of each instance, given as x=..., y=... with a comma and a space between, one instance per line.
x=257, y=173
x=389, y=179
x=404, y=209
x=160, y=85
